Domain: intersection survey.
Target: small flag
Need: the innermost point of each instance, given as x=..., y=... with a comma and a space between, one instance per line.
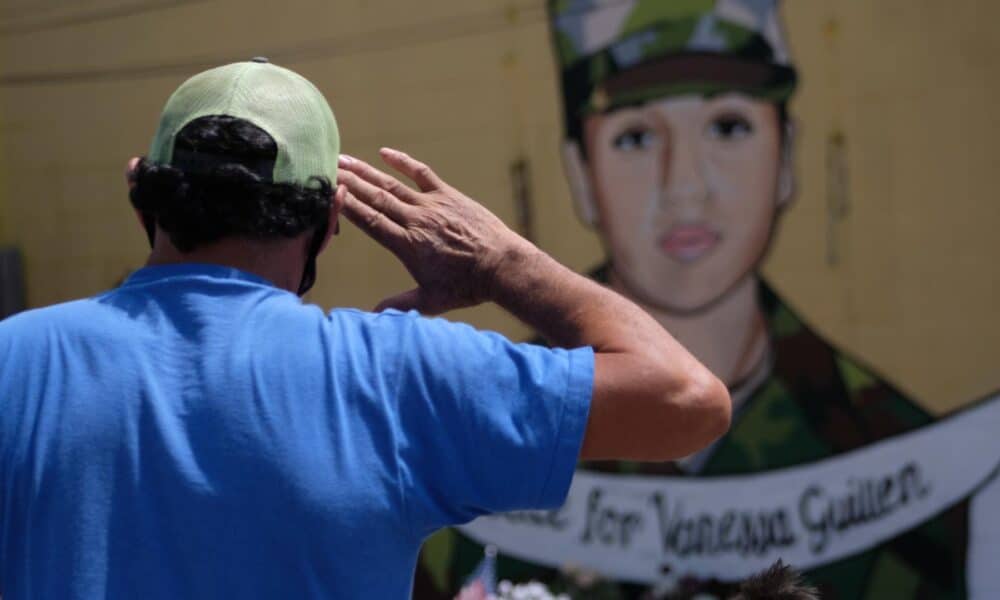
x=482, y=583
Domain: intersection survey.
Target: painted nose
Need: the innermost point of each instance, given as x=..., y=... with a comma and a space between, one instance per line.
x=684, y=188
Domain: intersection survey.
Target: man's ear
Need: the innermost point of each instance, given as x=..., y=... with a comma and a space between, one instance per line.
x=786, y=169
x=130, y=169
x=579, y=183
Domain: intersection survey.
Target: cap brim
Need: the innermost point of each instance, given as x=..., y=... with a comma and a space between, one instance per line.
x=698, y=73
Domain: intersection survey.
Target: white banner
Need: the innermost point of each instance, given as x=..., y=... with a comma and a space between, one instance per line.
x=631, y=528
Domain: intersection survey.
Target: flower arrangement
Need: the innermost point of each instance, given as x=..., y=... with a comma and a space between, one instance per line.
x=779, y=581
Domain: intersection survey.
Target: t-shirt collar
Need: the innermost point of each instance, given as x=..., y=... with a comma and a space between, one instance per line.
x=160, y=272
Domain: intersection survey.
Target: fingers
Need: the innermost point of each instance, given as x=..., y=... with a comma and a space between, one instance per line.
x=408, y=300
x=425, y=178
x=374, y=223
x=420, y=300
x=378, y=178
x=377, y=198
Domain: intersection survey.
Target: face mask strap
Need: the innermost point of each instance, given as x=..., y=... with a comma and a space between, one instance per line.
x=309, y=273
x=149, y=222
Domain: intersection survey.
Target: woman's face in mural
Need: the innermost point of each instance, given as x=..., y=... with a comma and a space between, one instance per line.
x=686, y=192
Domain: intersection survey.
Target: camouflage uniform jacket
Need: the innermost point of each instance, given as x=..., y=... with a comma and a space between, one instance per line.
x=815, y=403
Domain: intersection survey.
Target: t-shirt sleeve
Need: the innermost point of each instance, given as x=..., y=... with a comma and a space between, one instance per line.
x=486, y=425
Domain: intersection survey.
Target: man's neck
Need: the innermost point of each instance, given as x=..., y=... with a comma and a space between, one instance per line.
x=269, y=260
x=729, y=337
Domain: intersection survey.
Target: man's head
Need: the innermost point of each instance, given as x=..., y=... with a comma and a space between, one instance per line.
x=779, y=582
x=245, y=152
x=678, y=143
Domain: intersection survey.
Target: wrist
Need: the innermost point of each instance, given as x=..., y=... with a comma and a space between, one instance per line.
x=509, y=269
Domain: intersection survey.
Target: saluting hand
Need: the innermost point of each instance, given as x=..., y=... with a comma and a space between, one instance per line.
x=451, y=245
x=651, y=399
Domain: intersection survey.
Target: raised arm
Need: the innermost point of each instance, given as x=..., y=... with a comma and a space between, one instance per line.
x=652, y=400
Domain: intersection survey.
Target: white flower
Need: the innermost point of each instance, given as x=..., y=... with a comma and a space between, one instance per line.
x=526, y=591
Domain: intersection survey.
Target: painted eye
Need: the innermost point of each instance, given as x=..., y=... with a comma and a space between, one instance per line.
x=730, y=127
x=636, y=138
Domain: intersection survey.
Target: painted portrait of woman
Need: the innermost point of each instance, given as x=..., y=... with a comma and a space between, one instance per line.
x=679, y=149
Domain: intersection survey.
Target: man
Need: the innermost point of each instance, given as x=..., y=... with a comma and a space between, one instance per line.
x=199, y=432
x=678, y=151
x=779, y=582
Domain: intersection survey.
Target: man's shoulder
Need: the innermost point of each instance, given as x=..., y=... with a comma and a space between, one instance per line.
x=408, y=323
x=80, y=312
x=29, y=336
x=367, y=323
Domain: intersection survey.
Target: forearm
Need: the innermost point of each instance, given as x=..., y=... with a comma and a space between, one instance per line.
x=652, y=399
x=570, y=310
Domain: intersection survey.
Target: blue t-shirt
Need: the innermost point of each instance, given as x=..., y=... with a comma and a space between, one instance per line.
x=199, y=433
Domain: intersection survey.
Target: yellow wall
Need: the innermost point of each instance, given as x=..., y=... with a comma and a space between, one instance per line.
x=469, y=86
x=912, y=85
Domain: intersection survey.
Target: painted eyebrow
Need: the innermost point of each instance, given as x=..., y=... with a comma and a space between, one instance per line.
x=626, y=126
x=729, y=103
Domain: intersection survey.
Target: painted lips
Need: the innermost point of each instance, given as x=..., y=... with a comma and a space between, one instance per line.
x=688, y=243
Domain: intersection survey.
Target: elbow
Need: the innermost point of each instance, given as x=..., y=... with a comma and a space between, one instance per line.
x=659, y=413
x=711, y=400
x=703, y=411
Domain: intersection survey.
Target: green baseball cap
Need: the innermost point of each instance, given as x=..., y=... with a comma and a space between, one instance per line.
x=614, y=53
x=279, y=101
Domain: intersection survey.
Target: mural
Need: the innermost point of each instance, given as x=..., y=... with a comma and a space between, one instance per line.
x=678, y=151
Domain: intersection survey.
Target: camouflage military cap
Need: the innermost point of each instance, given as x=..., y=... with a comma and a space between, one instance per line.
x=614, y=53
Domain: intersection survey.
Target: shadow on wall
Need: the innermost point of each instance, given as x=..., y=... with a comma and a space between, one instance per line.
x=12, y=298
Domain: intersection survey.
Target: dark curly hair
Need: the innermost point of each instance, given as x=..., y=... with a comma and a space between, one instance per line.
x=778, y=582
x=220, y=186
